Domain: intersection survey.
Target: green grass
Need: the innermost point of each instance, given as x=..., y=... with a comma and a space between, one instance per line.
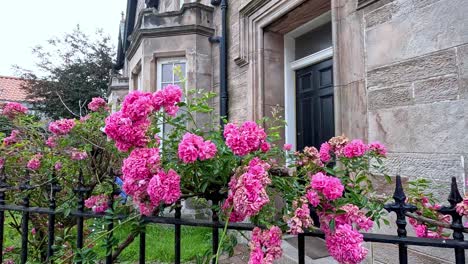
x=159, y=242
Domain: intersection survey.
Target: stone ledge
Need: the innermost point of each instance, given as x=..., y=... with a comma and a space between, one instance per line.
x=140, y=34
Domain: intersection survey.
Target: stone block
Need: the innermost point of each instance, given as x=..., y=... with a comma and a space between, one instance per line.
x=431, y=65
x=462, y=54
x=381, y=15
x=436, y=167
x=349, y=50
x=439, y=168
x=390, y=97
x=434, y=90
x=238, y=115
x=416, y=28
x=430, y=128
x=353, y=107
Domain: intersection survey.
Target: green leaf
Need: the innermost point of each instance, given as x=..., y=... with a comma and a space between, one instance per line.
x=332, y=224
x=388, y=178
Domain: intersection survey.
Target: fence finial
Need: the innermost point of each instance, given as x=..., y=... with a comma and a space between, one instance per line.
x=457, y=225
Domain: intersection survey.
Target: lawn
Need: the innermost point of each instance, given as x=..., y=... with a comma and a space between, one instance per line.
x=159, y=242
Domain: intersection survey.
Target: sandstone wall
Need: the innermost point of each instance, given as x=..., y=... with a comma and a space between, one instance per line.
x=416, y=74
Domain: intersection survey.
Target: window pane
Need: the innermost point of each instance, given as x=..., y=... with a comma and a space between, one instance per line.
x=167, y=72
x=182, y=70
x=163, y=85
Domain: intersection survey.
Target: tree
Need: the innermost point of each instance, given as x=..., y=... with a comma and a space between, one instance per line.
x=71, y=71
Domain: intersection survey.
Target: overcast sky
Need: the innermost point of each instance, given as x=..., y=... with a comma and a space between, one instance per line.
x=27, y=23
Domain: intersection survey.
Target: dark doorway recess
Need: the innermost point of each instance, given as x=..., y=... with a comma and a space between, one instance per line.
x=315, y=122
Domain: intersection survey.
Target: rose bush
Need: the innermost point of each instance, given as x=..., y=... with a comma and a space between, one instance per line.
x=166, y=153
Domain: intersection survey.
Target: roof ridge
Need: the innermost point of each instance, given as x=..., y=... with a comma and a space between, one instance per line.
x=12, y=77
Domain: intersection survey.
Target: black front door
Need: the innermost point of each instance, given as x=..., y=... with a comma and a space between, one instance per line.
x=315, y=122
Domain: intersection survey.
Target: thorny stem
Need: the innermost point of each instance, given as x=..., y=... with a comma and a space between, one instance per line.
x=431, y=221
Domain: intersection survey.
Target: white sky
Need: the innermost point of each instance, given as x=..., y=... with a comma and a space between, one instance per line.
x=27, y=23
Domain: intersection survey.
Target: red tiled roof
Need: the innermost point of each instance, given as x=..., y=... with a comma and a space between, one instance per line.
x=10, y=89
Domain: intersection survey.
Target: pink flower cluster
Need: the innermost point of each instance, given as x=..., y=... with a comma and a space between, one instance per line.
x=245, y=139
x=78, y=155
x=193, y=147
x=2, y=162
x=247, y=193
x=13, y=138
x=355, y=148
x=309, y=156
x=128, y=127
x=353, y=215
x=341, y=147
x=97, y=203
x=329, y=186
x=62, y=126
x=146, y=182
x=423, y=230
x=345, y=244
x=168, y=98
x=51, y=142
x=12, y=109
x=137, y=170
x=462, y=207
x=126, y=132
x=35, y=162
x=301, y=218
x=97, y=103
x=138, y=105
x=325, y=150
x=164, y=188
x=265, y=245
x=313, y=197
x=378, y=148
x=58, y=166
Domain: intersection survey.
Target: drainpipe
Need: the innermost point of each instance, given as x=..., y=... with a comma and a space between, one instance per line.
x=223, y=57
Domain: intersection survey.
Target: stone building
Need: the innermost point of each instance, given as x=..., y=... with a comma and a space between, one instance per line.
x=389, y=70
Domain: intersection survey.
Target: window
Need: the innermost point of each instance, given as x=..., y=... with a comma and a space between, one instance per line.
x=167, y=73
x=170, y=71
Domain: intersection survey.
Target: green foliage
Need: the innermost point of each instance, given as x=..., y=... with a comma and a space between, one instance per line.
x=72, y=70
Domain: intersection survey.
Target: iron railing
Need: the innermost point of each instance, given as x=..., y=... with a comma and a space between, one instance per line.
x=399, y=206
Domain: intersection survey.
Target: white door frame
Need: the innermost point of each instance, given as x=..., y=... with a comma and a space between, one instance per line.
x=291, y=65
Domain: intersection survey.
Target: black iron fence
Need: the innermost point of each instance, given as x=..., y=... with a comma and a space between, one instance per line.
x=400, y=207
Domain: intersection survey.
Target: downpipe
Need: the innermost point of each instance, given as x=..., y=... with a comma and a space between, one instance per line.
x=223, y=67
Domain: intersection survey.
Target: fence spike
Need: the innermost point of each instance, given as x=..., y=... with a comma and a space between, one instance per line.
x=3, y=186
x=81, y=191
x=457, y=225
x=400, y=207
x=110, y=225
x=177, y=233
x=25, y=187
x=54, y=189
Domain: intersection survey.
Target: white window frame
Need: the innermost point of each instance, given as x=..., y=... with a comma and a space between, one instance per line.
x=175, y=60
x=291, y=65
x=159, y=82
